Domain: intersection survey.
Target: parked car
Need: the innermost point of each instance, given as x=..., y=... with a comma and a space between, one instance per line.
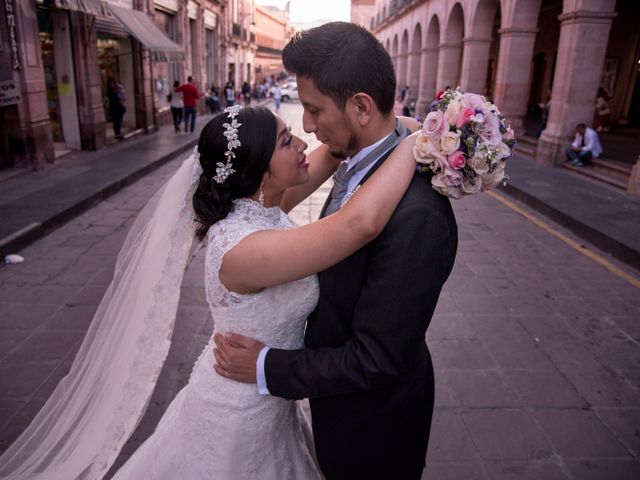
x=290, y=92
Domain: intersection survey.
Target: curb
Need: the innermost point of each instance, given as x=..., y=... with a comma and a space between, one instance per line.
x=608, y=244
x=29, y=234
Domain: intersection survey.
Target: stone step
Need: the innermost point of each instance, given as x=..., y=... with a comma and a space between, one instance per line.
x=526, y=150
x=601, y=174
x=528, y=140
x=612, y=166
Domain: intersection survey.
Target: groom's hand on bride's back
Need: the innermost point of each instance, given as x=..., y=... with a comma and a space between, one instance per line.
x=236, y=356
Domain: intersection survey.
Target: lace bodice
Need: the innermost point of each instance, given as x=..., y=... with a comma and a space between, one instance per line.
x=274, y=316
x=219, y=429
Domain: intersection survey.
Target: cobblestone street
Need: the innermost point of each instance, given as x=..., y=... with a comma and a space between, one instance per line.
x=535, y=339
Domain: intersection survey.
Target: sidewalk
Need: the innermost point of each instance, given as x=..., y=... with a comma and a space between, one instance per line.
x=34, y=203
x=602, y=215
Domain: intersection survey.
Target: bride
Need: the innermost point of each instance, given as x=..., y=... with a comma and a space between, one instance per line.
x=259, y=279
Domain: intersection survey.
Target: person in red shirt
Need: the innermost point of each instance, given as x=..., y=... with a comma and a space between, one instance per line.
x=190, y=97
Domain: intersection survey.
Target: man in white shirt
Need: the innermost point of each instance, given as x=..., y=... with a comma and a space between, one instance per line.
x=585, y=146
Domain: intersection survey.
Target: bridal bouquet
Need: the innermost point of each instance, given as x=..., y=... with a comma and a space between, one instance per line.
x=465, y=142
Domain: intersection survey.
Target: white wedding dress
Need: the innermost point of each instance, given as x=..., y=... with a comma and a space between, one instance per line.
x=218, y=429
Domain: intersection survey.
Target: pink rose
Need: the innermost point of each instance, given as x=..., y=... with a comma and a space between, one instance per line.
x=473, y=100
x=448, y=183
x=456, y=160
x=434, y=125
x=450, y=177
x=465, y=115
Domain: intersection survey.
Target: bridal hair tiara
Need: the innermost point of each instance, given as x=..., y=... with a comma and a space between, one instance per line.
x=223, y=170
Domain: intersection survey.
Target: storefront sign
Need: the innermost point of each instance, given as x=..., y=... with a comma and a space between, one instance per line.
x=11, y=28
x=9, y=93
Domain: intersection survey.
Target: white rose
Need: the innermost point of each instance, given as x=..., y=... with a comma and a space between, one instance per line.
x=480, y=164
x=502, y=151
x=449, y=142
x=472, y=186
x=452, y=112
x=493, y=179
x=427, y=153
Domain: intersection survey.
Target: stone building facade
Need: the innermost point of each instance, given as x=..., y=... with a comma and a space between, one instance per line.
x=56, y=57
x=519, y=53
x=273, y=31
x=362, y=11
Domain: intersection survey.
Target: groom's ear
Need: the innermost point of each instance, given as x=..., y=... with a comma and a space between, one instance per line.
x=363, y=105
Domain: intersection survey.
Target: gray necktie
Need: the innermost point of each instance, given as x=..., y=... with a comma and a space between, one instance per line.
x=342, y=176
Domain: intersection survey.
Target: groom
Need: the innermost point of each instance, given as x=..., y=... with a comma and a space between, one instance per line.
x=366, y=368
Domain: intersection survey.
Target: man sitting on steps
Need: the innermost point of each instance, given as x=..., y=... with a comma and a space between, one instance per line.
x=585, y=146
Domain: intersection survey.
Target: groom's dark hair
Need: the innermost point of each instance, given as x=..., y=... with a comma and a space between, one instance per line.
x=343, y=59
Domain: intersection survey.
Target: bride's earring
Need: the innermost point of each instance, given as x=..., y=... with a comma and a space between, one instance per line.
x=261, y=196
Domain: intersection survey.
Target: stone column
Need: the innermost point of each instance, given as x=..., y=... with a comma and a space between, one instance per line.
x=26, y=127
x=513, y=75
x=401, y=73
x=582, y=47
x=448, y=65
x=475, y=61
x=427, y=84
x=91, y=114
x=413, y=74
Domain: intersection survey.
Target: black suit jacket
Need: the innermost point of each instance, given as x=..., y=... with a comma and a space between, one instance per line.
x=366, y=367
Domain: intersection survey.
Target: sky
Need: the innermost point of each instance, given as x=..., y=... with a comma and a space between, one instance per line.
x=310, y=11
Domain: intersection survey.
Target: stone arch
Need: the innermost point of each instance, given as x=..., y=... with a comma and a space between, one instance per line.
x=450, y=58
x=481, y=48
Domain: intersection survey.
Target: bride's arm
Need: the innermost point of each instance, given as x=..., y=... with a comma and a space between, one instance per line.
x=273, y=257
x=321, y=166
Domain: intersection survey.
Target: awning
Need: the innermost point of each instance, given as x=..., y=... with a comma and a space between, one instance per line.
x=140, y=26
x=92, y=7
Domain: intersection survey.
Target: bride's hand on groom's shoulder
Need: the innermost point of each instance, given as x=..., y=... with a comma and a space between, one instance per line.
x=236, y=356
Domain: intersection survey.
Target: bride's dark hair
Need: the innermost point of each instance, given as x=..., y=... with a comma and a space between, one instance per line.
x=257, y=134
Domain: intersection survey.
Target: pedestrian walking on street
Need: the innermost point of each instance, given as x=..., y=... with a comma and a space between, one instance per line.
x=190, y=96
x=177, y=106
x=117, y=100
x=585, y=146
x=246, y=93
x=260, y=281
x=229, y=95
x=277, y=97
x=366, y=368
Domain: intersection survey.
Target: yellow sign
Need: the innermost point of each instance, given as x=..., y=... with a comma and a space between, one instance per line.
x=64, y=90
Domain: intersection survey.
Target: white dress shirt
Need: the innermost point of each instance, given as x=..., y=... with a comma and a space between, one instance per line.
x=353, y=182
x=591, y=142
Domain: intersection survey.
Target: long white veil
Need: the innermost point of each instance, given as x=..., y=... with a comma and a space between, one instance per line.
x=80, y=430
